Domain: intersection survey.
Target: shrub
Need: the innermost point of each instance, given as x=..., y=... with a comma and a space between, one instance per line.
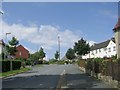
x=16, y=64
x=98, y=59
x=61, y=62
x=28, y=62
x=81, y=63
x=5, y=66
x=46, y=62
x=89, y=65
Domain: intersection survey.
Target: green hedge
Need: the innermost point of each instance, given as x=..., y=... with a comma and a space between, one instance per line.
x=6, y=65
x=28, y=62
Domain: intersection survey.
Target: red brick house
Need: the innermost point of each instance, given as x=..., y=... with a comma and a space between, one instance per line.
x=22, y=52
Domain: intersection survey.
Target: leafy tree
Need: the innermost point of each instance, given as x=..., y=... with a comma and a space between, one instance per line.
x=70, y=54
x=81, y=47
x=34, y=56
x=37, y=55
x=41, y=53
x=11, y=47
x=56, y=55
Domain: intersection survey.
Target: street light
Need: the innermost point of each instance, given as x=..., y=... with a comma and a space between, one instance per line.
x=5, y=54
x=59, y=45
x=1, y=12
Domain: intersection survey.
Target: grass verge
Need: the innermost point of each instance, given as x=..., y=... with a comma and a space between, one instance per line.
x=13, y=72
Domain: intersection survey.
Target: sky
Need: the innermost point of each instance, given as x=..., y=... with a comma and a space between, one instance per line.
x=38, y=24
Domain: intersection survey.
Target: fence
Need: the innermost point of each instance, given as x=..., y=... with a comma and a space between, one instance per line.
x=105, y=67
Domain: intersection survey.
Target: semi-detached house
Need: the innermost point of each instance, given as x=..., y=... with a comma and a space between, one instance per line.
x=101, y=50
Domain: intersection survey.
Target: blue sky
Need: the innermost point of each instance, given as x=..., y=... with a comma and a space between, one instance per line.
x=37, y=24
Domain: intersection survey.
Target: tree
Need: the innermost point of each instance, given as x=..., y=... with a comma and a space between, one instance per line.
x=81, y=47
x=41, y=53
x=56, y=55
x=34, y=56
x=11, y=47
x=70, y=54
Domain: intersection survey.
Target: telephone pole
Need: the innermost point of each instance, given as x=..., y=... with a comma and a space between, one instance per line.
x=59, y=45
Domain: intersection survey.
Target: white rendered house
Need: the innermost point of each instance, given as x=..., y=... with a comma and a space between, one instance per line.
x=101, y=50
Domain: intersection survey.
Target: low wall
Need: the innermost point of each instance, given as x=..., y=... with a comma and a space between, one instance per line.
x=107, y=79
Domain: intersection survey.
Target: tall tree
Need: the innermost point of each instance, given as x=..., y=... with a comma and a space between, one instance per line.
x=70, y=54
x=41, y=53
x=81, y=47
x=11, y=47
x=56, y=55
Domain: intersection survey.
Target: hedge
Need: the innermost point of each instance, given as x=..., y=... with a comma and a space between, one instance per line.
x=6, y=65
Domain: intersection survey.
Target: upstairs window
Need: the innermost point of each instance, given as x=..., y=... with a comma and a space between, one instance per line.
x=114, y=48
x=96, y=51
x=109, y=49
x=105, y=49
x=99, y=50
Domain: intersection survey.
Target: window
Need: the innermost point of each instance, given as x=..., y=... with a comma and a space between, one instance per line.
x=96, y=51
x=105, y=49
x=114, y=48
x=92, y=53
x=109, y=49
x=99, y=50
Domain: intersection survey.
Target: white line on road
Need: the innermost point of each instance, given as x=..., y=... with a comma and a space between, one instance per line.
x=63, y=73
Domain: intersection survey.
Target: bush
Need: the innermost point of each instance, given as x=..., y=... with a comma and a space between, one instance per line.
x=28, y=62
x=61, y=62
x=16, y=65
x=52, y=61
x=6, y=65
x=89, y=65
x=98, y=60
x=46, y=62
x=81, y=63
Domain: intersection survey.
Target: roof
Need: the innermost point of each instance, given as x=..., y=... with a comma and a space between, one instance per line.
x=117, y=25
x=100, y=45
x=22, y=47
x=113, y=39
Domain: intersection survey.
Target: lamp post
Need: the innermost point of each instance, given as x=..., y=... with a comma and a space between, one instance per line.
x=5, y=54
x=1, y=14
x=59, y=45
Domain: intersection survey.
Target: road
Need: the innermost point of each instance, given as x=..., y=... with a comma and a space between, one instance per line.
x=51, y=77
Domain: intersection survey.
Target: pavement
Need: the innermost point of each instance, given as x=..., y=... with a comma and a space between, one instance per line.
x=53, y=77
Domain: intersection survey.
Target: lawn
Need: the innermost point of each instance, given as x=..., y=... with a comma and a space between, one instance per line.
x=13, y=72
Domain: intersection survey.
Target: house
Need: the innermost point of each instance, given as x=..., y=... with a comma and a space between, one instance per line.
x=117, y=37
x=2, y=46
x=101, y=50
x=22, y=52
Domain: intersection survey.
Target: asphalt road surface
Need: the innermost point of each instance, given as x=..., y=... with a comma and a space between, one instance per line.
x=53, y=77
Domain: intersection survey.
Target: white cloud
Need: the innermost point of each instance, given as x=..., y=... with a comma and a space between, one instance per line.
x=45, y=35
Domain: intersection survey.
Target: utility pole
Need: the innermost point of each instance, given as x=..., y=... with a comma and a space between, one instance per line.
x=1, y=15
x=5, y=51
x=59, y=45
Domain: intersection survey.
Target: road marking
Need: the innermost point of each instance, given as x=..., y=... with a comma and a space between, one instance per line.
x=63, y=73
x=61, y=81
